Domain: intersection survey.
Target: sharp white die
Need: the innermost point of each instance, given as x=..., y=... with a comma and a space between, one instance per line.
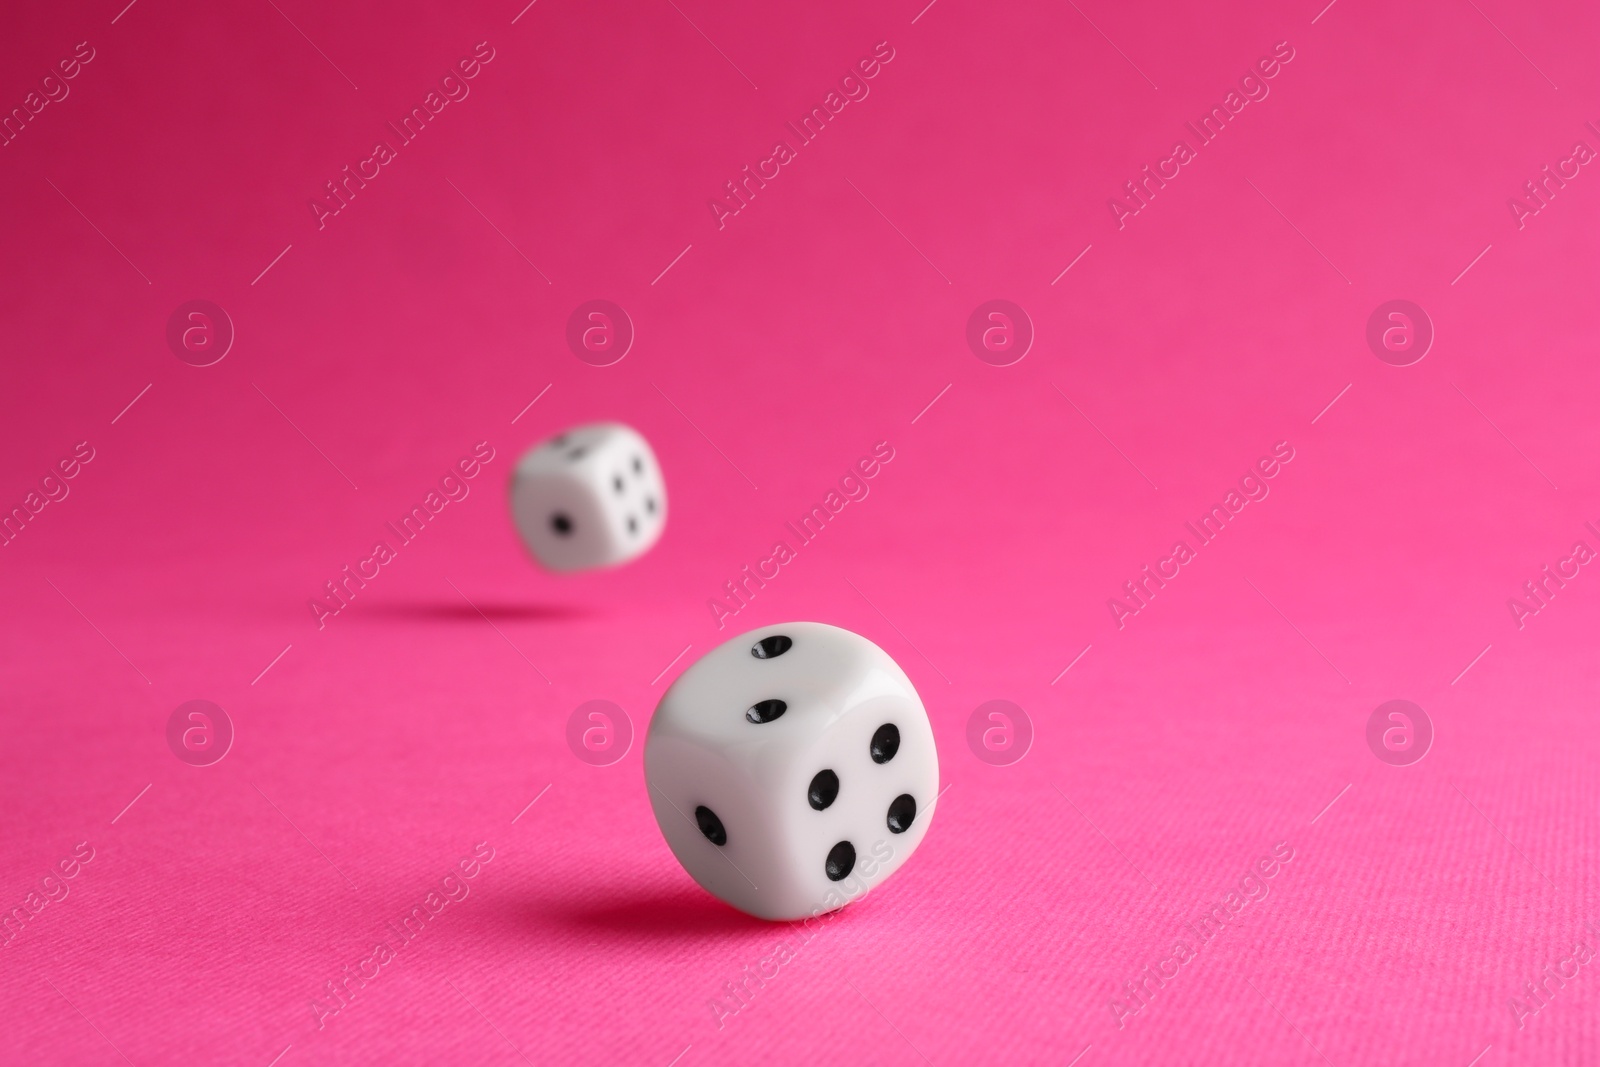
x=792, y=769
x=590, y=497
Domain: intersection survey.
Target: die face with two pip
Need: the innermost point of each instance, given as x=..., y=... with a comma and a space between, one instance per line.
x=590, y=497
x=792, y=769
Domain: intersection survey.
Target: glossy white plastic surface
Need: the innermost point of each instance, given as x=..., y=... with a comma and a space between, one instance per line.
x=703, y=751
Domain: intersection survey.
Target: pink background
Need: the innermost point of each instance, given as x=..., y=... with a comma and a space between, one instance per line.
x=1224, y=718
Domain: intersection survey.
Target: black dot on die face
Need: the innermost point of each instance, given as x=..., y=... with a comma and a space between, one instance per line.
x=638, y=465
x=577, y=454
x=841, y=861
x=616, y=483
x=771, y=647
x=765, y=710
x=650, y=504
x=711, y=826
x=902, y=813
x=560, y=524
x=633, y=524
x=885, y=742
x=824, y=790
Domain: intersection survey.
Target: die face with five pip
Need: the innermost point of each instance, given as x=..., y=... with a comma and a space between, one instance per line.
x=792, y=769
x=590, y=497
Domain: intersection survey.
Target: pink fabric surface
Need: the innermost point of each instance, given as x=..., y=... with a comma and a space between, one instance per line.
x=376, y=749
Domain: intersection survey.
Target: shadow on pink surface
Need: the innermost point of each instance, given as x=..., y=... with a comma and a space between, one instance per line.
x=501, y=610
x=628, y=915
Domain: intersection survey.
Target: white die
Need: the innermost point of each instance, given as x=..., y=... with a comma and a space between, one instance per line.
x=590, y=497
x=792, y=769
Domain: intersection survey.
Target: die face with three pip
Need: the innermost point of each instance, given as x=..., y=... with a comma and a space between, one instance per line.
x=792, y=769
x=590, y=497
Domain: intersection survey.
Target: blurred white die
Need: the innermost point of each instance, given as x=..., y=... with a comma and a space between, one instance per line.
x=590, y=497
x=792, y=769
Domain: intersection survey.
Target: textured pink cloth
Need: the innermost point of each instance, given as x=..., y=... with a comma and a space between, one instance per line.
x=372, y=817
